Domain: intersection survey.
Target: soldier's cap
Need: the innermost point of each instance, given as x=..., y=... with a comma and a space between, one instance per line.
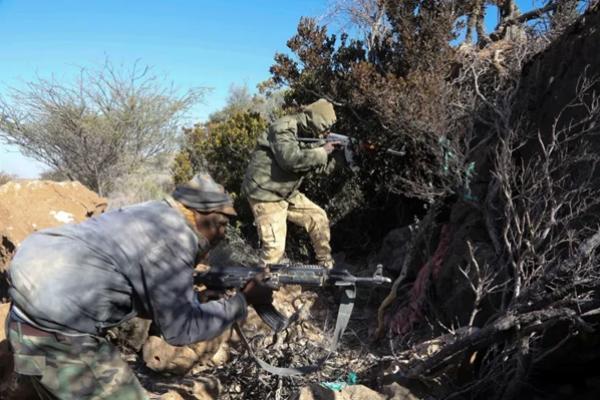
x=320, y=115
x=203, y=194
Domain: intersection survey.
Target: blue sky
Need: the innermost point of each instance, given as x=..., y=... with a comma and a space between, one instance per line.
x=195, y=43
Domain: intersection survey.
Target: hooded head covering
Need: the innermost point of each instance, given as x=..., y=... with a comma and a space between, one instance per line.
x=320, y=116
x=203, y=194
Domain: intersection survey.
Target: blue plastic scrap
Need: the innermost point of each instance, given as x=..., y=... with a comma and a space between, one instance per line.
x=337, y=386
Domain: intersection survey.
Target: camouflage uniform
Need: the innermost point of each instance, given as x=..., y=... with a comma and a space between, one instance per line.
x=77, y=368
x=276, y=170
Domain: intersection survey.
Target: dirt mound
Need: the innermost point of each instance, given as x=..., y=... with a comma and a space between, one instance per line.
x=29, y=205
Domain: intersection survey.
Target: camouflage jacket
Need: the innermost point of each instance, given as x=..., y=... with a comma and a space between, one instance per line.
x=280, y=161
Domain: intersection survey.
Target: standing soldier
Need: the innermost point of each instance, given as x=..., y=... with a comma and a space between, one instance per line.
x=276, y=169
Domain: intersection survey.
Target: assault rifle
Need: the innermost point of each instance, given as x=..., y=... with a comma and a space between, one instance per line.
x=234, y=277
x=348, y=145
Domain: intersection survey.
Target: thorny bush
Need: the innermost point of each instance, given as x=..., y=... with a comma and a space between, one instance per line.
x=540, y=211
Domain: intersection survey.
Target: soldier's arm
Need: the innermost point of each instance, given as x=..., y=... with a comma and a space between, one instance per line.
x=288, y=153
x=336, y=161
x=180, y=316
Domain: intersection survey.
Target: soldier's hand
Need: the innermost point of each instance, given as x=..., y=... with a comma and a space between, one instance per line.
x=331, y=146
x=257, y=292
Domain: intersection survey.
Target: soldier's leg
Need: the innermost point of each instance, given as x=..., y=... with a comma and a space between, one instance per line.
x=305, y=213
x=115, y=380
x=271, y=223
x=73, y=368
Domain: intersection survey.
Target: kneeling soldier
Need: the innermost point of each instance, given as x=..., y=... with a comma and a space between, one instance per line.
x=70, y=284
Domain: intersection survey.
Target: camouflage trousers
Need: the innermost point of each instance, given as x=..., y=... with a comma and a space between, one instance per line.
x=73, y=368
x=271, y=222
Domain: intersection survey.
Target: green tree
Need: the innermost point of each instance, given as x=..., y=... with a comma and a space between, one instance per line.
x=222, y=148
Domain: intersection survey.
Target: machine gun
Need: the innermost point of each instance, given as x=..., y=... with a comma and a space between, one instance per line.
x=349, y=146
x=235, y=277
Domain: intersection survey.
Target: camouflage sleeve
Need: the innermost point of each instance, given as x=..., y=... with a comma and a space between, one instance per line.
x=288, y=153
x=176, y=309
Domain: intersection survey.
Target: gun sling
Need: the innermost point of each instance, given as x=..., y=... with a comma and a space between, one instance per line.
x=343, y=317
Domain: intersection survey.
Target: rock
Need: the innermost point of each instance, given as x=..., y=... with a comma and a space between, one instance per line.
x=287, y=300
x=315, y=392
x=206, y=388
x=354, y=392
x=360, y=392
x=398, y=392
x=162, y=357
x=171, y=395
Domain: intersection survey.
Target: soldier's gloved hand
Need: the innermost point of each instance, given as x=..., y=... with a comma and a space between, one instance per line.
x=257, y=292
x=331, y=146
